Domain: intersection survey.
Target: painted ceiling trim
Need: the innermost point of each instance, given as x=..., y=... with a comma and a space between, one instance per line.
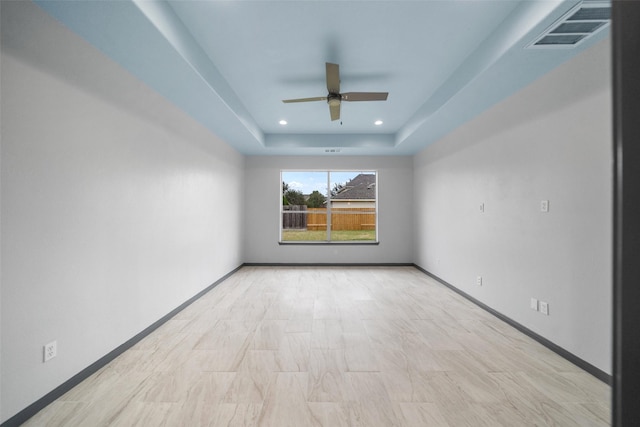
x=329, y=140
x=164, y=19
x=149, y=39
x=521, y=21
x=121, y=31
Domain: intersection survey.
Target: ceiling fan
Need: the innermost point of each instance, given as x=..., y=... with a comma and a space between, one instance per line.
x=334, y=98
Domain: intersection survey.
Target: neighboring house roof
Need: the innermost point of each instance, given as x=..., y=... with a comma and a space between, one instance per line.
x=362, y=187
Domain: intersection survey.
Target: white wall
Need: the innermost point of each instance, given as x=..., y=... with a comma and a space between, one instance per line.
x=116, y=207
x=551, y=141
x=262, y=201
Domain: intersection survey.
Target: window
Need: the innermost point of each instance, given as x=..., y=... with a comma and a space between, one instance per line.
x=329, y=206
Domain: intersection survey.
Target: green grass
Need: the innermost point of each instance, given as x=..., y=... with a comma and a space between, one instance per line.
x=315, y=236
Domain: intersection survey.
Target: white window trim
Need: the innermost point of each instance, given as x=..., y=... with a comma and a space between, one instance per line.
x=328, y=196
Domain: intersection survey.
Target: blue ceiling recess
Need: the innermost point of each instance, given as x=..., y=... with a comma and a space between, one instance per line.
x=229, y=64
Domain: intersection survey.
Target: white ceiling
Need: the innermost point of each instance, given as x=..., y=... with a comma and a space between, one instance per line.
x=230, y=63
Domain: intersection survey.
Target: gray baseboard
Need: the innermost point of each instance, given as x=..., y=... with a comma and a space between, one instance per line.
x=330, y=264
x=50, y=397
x=596, y=372
x=22, y=416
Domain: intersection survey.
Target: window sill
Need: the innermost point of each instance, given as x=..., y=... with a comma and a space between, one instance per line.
x=325, y=243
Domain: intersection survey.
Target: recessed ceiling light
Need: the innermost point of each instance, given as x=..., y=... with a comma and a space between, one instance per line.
x=377, y=122
x=283, y=122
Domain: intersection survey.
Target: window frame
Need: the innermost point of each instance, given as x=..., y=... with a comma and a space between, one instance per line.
x=328, y=241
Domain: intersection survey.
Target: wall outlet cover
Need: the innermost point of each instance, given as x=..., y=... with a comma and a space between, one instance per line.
x=544, y=308
x=50, y=351
x=544, y=206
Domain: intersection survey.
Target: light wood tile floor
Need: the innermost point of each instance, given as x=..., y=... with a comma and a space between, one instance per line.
x=334, y=347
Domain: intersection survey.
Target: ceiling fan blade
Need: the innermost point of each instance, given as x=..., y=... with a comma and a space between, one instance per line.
x=317, y=98
x=365, y=96
x=334, y=110
x=333, y=78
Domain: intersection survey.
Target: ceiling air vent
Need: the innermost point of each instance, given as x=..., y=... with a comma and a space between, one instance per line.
x=577, y=25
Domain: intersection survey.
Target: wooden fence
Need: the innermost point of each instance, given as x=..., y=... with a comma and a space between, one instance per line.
x=299, y=217
x=294, y=217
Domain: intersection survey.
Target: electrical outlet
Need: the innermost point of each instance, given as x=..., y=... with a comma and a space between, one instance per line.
x=544, y=308
x=544, y=206
x=534, y=304
x=479, y=280
x=50, y=351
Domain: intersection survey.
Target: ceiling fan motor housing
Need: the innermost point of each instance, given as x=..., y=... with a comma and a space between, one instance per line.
x=334, y=99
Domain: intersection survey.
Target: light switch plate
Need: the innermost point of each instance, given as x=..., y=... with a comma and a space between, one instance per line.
x=534, y=304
